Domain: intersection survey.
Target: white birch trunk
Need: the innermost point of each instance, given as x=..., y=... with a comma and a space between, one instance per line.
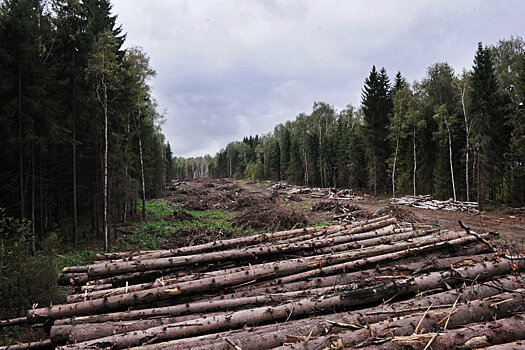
x=142, y=173
x=450, y=157
x=415, y=161
x=395, y=160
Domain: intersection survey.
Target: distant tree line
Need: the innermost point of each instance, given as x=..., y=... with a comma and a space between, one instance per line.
x=79, y=137
x=451, y=135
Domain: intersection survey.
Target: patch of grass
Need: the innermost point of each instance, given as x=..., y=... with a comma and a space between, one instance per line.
x=305, y=205
x=159, y=228
x=9, y=335
x=320, y=224
x=157, y=209
x=142, y=240
x=74, y=258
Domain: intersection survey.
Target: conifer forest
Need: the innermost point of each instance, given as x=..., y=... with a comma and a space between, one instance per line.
x=306, y=237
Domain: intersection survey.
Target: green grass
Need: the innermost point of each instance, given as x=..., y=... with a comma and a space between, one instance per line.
x=142, y=240
x=151, y=233
x=305, y=205
x=320, y=224
x=75, y=258
x=157, y=209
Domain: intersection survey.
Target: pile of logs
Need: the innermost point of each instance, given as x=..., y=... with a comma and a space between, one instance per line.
x=426, y=202
x=343, y=194
x=369, y=284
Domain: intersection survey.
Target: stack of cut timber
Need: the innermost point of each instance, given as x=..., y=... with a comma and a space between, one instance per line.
x=426, y=202
x=343, y=194
x=360, y=284
x=312, y=191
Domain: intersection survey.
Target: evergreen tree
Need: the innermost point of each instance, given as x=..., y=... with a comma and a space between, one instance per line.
x=376, y=103
x=488, y=124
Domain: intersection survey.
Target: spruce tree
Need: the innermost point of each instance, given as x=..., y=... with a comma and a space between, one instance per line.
x=487, y=123
x=377, y=105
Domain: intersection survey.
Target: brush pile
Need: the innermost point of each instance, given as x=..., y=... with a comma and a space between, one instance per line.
x=369, y=284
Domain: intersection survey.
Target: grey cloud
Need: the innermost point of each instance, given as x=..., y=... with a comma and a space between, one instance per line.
x=227, y=69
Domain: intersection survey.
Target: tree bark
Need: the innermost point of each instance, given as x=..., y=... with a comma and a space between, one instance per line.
x=463, y=314
x=415, y=162
x=450, y=157
x=395, y=160
x=105, y=103
x=270, y=336
x=246, y=274
x=42, y=344
x=143, y=183
x=257, y=251
x=306, y=306
x=20, y=142
x=516, y=345
x=467, y=135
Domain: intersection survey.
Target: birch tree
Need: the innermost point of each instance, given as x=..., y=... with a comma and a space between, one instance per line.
x=102, y=70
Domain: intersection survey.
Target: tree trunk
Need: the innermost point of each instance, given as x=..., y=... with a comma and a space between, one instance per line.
x=450, y=157
x=479, y=180
x=270, y=336
x=415, y=162
x=395, y=160
x=20, y=143
x=467, y=135
x=306, y=306
x=407, y=328
x=33, y=227
x=42, y=344
x=142, y=172
x=246, y=274
x=106, y=240
x=257, y=251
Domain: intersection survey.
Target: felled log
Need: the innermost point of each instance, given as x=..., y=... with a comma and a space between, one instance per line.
x=305, y=306
x=42, y=344
x=175, y=261
x=516, y=345
x=336, y=248
x=271, y=336
x=227, y=243
x=399, y=269
x=242, y=275
x=276, y=269
x=390, y=252
x=432, y=321
x=471, y=336
x=264, y=295
x=96, y=326
x=13, y=322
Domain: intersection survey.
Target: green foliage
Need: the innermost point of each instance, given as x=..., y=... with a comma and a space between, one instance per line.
x=320, y=224
x=142, y=240
x=76, y=258
x=157, y=209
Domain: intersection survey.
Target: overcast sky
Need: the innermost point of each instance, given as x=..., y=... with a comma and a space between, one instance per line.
x=229, y=69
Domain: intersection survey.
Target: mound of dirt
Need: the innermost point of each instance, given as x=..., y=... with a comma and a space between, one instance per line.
x=270, y=217
x=400, y=213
